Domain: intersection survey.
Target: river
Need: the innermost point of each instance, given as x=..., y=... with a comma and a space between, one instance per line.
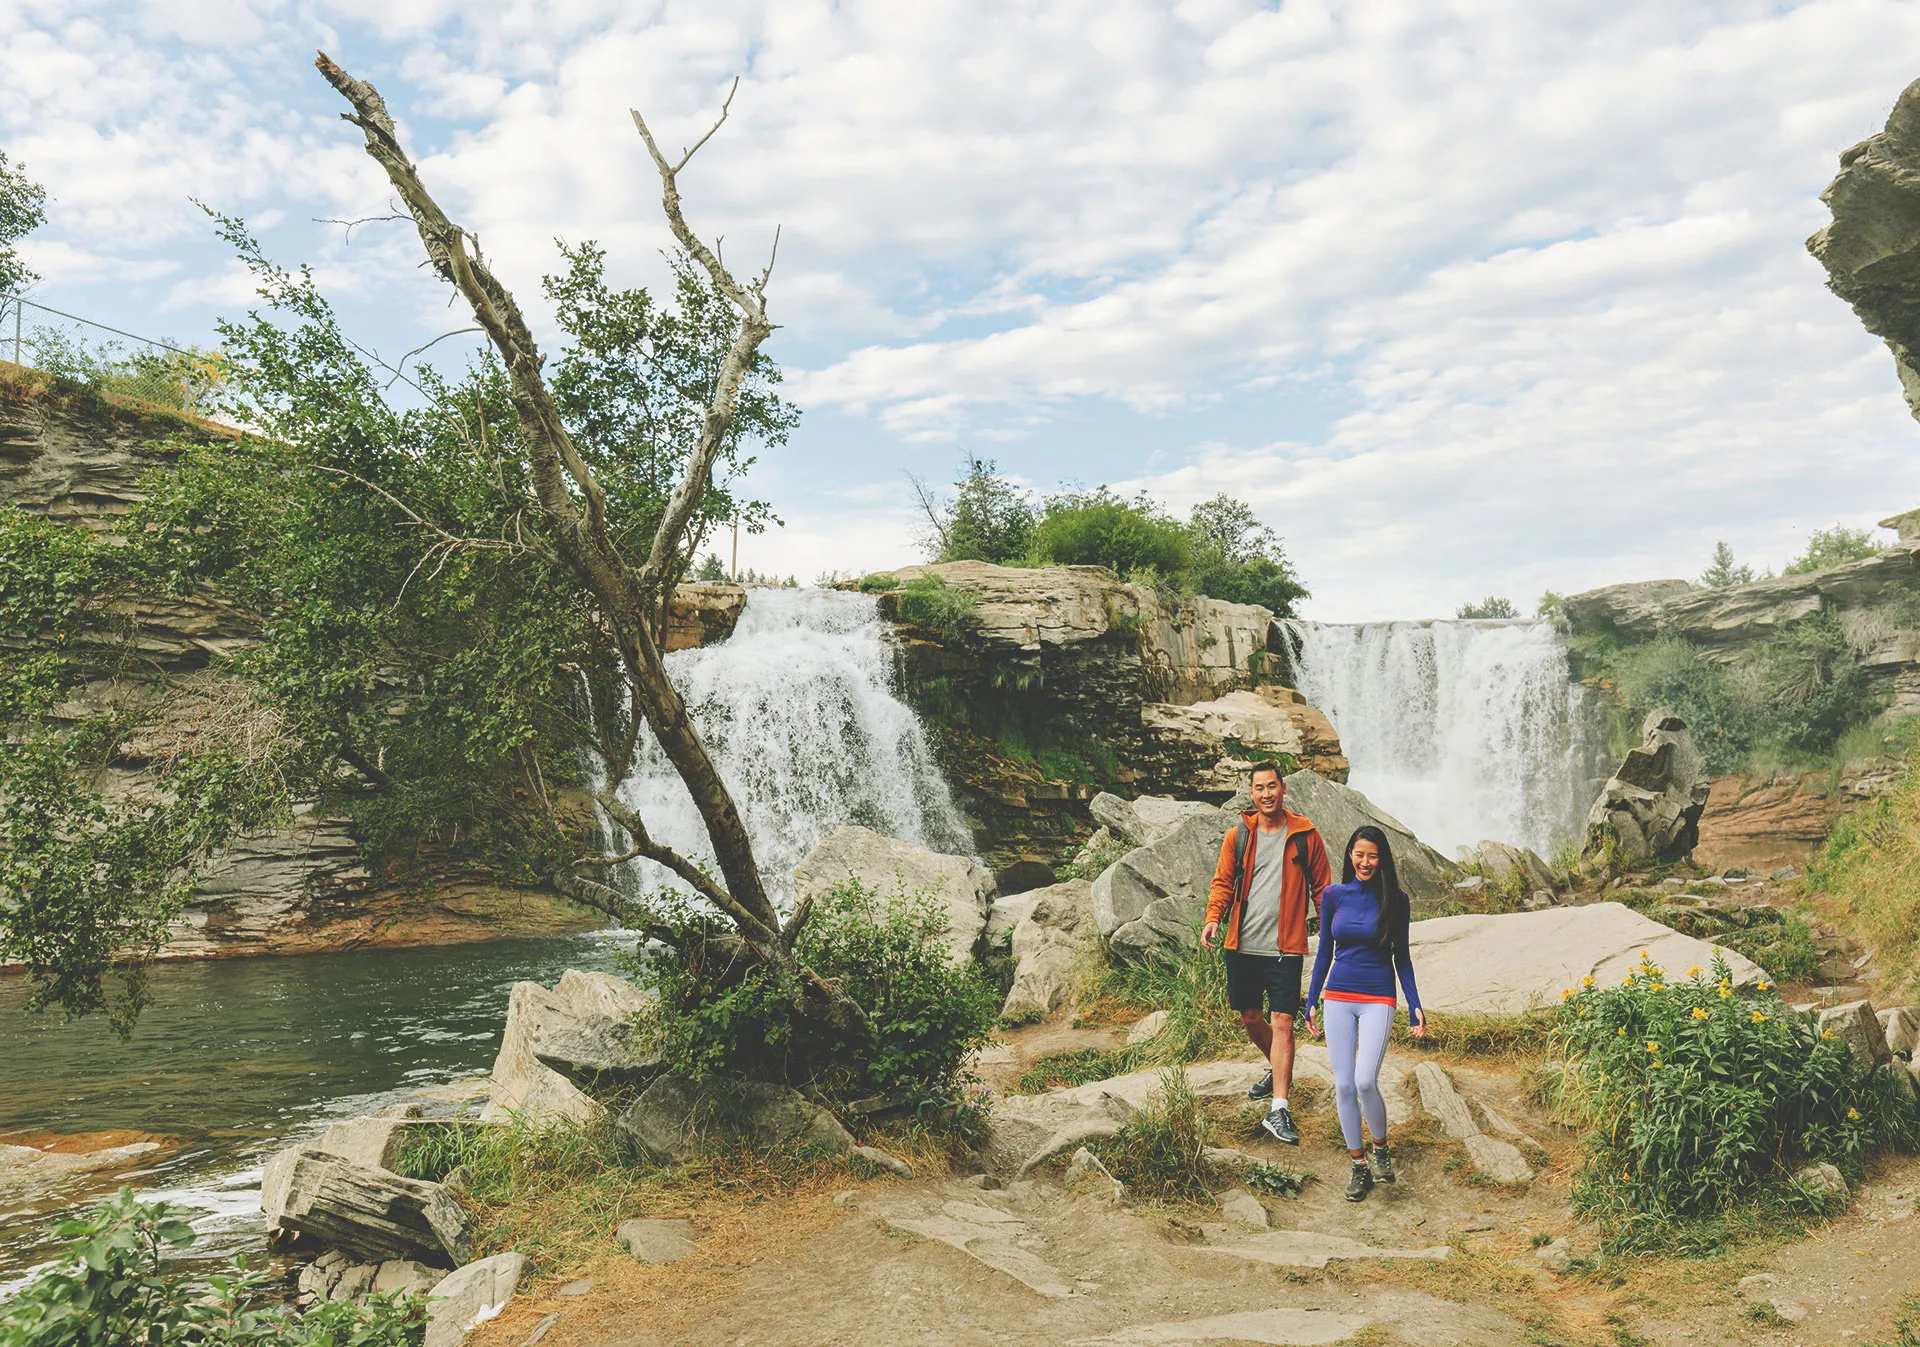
x=236, y=1058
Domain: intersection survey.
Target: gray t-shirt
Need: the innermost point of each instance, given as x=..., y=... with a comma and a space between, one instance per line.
x=1260, y=923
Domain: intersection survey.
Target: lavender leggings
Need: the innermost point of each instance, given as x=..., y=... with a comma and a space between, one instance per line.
x=1357, y=1044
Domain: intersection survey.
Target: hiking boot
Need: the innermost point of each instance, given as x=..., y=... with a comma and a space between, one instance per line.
x=1382, y=1165
x=1360, y=1183
x=1278, y=1124
x=1262, y=1088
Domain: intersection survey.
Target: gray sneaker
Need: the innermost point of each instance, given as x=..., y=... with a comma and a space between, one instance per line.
x=1382, y=1165
x=1262, y=1088
x=1360, y=1183
x=1278, y=1124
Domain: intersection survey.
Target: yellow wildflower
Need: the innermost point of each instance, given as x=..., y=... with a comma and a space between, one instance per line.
x=1853, y=1115
x=1659, y=986
x=1566, y=994
x=1621, y=1031
x=1758, y=1018
x=1699, y=1013
x=1652, y=1046
x=1725, y=992
x=1828, y=1033
x=1763, y=984
x=1586, y=981
x=1694, y=971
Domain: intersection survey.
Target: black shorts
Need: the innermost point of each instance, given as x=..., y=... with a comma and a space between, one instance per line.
x=1259, y=981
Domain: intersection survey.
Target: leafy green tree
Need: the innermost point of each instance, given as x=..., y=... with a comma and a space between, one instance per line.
x=986, y=519
x=1237, y=558
x=711, y=568
x=1724, y=571
x=23, y=205
x=1491, y=606
x=1833, y=547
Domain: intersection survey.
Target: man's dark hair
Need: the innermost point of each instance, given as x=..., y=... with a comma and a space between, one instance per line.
x=1269, y=766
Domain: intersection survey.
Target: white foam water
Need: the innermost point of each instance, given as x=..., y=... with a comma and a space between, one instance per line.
x=799, y=710
x=1463, y=730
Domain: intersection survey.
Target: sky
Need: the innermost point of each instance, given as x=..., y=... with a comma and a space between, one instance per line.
x=1464, y=297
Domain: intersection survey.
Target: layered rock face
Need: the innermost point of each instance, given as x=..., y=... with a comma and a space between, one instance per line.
x=299, y=889
x=1114, y=681
x=1650, y=808
x=1871, y=250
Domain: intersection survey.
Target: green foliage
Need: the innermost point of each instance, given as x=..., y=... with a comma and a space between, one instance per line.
x=1723, y=571
x=89, y=879
x=1098, y=528
x=1491, y=606
x=711, y=569
x=1161, y=1152
x=1867, y=865
x=180, y=379
x=1832, y=547
x=930, y=602
x=879, y=582
x=1076, y=1066
x=1102, y=849
x=1277, y=1180
x=1794, y=696
x=1238, y=559
x=1550, y=605
x=115, y=1289
x=718, y=1016
x=23, y=205
x=988, y=518
x=1701, y=1098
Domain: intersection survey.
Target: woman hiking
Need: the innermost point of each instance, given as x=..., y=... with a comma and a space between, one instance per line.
x=1364, y=929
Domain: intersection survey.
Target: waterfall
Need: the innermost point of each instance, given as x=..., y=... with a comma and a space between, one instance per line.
x=799, y=711
x=1462, y=730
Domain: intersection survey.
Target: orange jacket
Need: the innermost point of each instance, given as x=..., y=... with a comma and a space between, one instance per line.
x=1232, y=875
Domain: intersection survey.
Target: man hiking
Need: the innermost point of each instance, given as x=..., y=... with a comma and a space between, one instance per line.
x=1272, y=864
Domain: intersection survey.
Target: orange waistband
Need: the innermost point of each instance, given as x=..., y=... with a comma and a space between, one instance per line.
x=1331, y=995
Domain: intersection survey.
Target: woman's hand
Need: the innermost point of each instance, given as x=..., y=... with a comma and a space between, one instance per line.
x=1313, y=1027
x=1207, y=933
x=1419, y=1026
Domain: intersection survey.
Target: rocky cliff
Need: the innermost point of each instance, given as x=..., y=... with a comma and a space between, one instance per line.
x=1871, y=250
x=1044, y=686
x=74, y=457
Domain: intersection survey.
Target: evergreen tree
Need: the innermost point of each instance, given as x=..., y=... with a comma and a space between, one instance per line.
x=1724, y=571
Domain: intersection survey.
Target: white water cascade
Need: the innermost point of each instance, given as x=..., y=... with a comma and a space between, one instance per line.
x=1463, y=731
x=800, y=714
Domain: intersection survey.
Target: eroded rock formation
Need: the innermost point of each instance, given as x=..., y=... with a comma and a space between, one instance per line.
x=1650, y=808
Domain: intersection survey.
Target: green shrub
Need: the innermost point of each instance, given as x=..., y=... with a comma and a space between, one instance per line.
x=877, y=583
x=1867, y=865
x=1161, y=1153
x=116, y=1289
x=1076, y=1066
x=1101, y=850
x=1701, y=1098
x=1277, y=1180
x=924, y=1015
x=1832, y=547
x=930, y=602
x=1098, y=528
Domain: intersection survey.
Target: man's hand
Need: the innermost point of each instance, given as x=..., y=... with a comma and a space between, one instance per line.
x=1419, y=1026
x=1207, y=934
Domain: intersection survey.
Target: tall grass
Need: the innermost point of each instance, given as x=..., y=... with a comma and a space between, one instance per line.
x=1161, y=1153
x=1866, y=868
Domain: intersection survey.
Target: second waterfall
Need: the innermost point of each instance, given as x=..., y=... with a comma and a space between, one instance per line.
x=1464, y=730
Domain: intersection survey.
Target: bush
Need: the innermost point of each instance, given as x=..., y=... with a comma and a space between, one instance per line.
x=1833, y=547
x=116, y=1289
x=931, y=602
x=1098, y=528
x=924, y=1015
x=1867, y=865
x=1701, y=1098
x=1161, y=1153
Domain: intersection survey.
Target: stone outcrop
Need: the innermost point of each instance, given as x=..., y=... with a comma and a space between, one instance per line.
x=554, y=1041
x=1091, y=669
x=960, y=885
x=1210, y=746
x=703, y=612
x=1337, y=810
x=1502, y=861
x=1496, y=1158
x=1871, y=250
x=467, y=1298
x=1762, y=822
x=1048, y=942
x=1649, y=809
x=1519, y=961
x=675, y=1116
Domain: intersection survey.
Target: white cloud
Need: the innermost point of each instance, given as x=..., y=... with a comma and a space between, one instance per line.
x=1545, y=260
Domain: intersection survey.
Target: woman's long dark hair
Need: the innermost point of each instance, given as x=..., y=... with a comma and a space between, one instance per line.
x=1394, y=908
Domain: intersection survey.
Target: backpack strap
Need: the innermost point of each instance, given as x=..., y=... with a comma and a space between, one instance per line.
x=1306, y=877
x=1240, y=842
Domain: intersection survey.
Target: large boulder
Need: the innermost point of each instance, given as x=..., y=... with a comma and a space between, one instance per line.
x=372, y=1214
x=1501, y=860
x=1057, y=928
x=1514, y=962
x=1650, y=808
x=1337, y=810
x=1143, y=821
x=463, y=1300
x=585, y=1021
x=1210, y=746
x=959, y=884
x=1155, y=896
x=675, y=1116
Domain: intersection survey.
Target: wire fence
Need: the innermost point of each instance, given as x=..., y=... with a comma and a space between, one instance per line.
x=131, y=370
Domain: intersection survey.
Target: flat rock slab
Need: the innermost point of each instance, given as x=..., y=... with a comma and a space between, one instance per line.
x=1310, y=1249
x=1279, y=1327
x=466, y=1298
x=1418, y=1317
x=992, y=1238
x=656, y=1241
x=1513, y=962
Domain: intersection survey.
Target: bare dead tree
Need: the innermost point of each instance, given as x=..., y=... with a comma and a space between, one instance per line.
x=569, y=510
